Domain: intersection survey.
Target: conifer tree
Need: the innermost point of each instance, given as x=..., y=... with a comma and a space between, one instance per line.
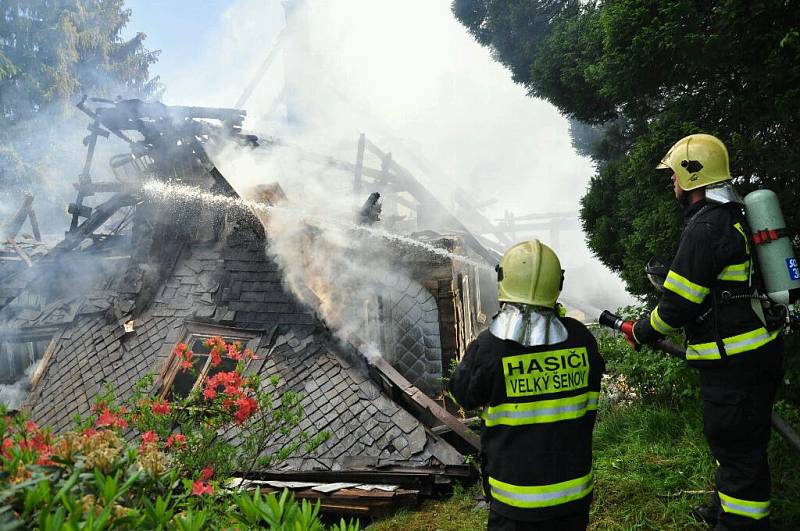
x=645, y=73
x=51, y=53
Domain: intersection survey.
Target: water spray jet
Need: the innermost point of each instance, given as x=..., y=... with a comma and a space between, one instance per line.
x=176, y=193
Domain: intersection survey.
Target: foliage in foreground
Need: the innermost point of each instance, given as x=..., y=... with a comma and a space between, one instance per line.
x=156, y=464
x=659, y=379
x=648, y=375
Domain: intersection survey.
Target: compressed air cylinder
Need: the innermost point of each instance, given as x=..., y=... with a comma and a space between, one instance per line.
x=776, y=259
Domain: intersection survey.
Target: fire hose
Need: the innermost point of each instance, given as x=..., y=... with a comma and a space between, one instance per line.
x=787, y=432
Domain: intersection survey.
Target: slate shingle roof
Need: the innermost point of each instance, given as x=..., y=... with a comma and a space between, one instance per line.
x=233, y=282
x=54, y=292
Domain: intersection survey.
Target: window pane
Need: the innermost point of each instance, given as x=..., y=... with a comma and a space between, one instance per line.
x=198, y=345
x=184, y=380
x=227, y=365
x=17, y=357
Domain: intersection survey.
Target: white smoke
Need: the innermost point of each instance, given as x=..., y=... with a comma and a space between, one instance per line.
x=328, y=259
x=409, y=76
x=46, y=159
x=13, y=395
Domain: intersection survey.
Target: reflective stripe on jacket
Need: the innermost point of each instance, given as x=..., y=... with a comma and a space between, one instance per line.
x=541, y=411
x=706, y=290
x=539, y=408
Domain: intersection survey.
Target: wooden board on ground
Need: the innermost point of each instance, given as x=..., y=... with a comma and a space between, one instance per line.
x=374, y=503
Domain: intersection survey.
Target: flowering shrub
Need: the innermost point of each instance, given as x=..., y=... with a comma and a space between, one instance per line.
x=155, y=463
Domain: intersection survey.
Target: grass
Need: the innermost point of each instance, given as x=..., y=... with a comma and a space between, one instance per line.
x=651, y=466
x=458, y=513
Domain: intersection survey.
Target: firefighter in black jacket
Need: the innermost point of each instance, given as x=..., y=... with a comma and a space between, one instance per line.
x=707, y=292
x=537, y=376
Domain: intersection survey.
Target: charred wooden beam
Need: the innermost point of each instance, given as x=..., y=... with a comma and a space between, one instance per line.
x=268, y=60
x=78, y=210
x=429, y=411
x=99, y=215
x=353, y=501
x=132, y=115
x=358, y=173
x=96, y=129
x=34, y=225
x=13, y=224
x=90, y=188
x=428, y=200
x=22, y=254
x=371, y=210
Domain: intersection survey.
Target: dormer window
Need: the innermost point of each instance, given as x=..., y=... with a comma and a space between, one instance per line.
x=178, y=384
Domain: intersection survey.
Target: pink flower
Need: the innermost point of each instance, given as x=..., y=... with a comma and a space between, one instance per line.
x=245, y=408
x=200, y=488
x=160, y=407
x=234, y=352
x=206, y=474
x=111, y=420
x=148, y=437
x=178, y=440
x=209, y=393
x=185, y=356
x=106, y=418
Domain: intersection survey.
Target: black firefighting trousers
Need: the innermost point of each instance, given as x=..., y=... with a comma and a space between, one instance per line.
x=737, y=410
x=570, y=522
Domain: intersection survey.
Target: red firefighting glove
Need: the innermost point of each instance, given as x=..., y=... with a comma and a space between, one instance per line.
x=627, y=329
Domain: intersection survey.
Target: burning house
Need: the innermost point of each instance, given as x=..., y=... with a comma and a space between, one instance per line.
x=136, y=275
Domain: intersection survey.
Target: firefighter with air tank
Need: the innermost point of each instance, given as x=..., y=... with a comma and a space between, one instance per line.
x=537, y=376
x=713, y=290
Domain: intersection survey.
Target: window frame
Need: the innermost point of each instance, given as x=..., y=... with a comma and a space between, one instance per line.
x=51, y=334
x=191, y=331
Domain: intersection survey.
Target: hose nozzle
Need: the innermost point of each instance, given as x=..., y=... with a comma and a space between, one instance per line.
x=610, y=320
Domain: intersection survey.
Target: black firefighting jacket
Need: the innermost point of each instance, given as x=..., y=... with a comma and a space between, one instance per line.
x=539, y=410
x=707, y=290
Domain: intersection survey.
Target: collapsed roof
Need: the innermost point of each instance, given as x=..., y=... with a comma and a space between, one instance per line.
x=112, y=306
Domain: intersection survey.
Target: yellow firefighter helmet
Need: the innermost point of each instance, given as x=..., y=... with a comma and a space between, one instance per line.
x=697, y=160
x=530, y=273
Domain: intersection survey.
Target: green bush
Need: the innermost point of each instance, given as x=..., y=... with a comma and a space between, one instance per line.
x=649, y=375
x=656, y=377
x=790, y=390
